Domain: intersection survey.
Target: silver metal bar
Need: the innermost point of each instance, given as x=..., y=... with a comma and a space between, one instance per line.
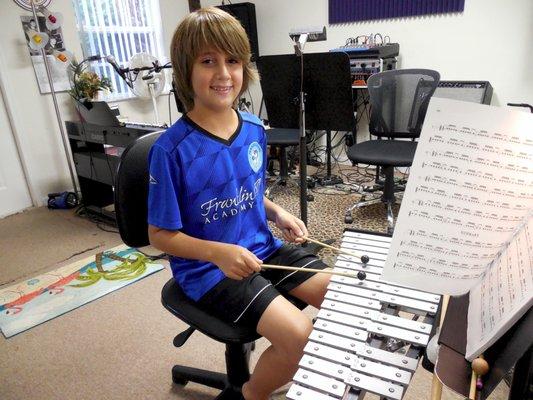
x=382, y=371
x=297, y=392
x=387, y=357
x=329, y=353
x=341, y=318
x=411, y=293
x=66, y=146
x=324, y=367
x=322, y=383
x=337, y=342
x=359, y=267
x=367, y=242
x=397, y=333
x=408, y=304
x=341, y=330
x=375, y=385
x=337, y=297
x=360, y=235
x=404, y=323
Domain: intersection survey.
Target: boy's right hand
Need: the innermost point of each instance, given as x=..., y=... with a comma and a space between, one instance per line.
x=237, y=262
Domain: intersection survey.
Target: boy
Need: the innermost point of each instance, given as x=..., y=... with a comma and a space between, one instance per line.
x=206, y=203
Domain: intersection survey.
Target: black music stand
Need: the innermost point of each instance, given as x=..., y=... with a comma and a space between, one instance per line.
x=514, y=348
x=327, y=88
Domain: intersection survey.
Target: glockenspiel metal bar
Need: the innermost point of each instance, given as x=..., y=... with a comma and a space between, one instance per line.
x=378, y=370
x=358, y=267
x=339, y=357
x=354, y=300
x=411, y=293
x=341, y=330
x=387, y=357
x=404, y=323
x=368, y=242
x=405, y=335
x=297, y=392
x=341, y=318
x=360, y=235
x=360, y=291
x=408, y=304
x=375, y=385
x=354, y=281
x=324, y=367
x=374, y=253
x=319, y=382
x=334, y=341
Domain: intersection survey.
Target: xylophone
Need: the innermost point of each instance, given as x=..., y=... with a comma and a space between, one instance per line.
x=368, y=335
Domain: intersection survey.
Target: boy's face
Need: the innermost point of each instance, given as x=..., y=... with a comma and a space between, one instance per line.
x=216, y=80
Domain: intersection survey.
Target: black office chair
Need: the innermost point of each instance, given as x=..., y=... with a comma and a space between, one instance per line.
x=131, y=193
x=399, y=101
x=281, y=138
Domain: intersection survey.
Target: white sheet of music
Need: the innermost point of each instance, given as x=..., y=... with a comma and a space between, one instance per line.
x=469, y=188
x=504, y=294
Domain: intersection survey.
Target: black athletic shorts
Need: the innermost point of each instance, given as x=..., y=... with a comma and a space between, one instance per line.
x=243, y=302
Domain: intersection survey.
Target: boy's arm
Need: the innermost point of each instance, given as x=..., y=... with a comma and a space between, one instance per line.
x=236, y=262
x=293, y=228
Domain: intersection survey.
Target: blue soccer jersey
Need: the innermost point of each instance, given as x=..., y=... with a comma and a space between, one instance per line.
x=211, y=189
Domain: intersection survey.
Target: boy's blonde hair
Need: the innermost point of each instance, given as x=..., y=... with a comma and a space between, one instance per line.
x=207, y=27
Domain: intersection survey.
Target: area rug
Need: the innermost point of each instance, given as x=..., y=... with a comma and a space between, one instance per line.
x=40, y=299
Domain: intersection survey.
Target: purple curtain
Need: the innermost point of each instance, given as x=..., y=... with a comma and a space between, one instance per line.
x=364, y=10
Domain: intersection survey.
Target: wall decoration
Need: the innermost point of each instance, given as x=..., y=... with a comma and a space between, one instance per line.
x=54, y=48
x=343, y=11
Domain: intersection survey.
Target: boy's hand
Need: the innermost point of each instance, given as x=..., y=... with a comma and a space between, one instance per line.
x=237, y=262
x=293, y=228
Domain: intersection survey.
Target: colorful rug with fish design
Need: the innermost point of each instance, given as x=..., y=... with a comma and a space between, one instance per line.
x=40, y=299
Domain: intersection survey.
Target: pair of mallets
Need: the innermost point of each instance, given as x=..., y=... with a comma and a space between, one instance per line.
x=360, y=274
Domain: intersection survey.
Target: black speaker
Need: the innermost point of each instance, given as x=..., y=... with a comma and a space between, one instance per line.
x=474, y=91
x=245, y=14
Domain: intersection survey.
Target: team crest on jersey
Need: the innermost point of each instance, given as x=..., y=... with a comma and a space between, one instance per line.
x=255, y=156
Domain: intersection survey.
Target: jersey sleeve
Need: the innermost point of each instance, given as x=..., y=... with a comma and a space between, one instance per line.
x=163, y=205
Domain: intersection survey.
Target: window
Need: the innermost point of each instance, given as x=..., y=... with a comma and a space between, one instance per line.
x=120, y=28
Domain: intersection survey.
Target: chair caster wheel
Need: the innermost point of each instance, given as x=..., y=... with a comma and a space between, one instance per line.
x=179, y=381
x=348, y=219
x=310, y=197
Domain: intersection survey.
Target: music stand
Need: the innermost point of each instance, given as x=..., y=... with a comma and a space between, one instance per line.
x=514, y=347
x=327, y=88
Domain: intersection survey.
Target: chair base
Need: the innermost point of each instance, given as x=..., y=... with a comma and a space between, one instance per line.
x=181, y=375
x=237, y=372
x=348, y=219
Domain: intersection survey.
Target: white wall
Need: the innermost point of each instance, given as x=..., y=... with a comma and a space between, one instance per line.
x=490, y=40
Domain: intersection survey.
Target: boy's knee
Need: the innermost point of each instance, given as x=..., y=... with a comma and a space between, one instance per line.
x=299, y=337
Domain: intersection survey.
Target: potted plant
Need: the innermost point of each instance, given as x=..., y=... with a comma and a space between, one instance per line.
x=86, y=84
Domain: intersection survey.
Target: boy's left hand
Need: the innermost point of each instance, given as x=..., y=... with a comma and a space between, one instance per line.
x=293, y=228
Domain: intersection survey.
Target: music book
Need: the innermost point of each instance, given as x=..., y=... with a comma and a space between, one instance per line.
x=466, y=219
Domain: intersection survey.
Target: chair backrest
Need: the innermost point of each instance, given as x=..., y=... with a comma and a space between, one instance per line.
x=131, y=191
x=399, y=101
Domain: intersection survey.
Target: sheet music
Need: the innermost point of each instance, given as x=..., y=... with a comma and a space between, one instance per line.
x=504, y=294
x=469, y=188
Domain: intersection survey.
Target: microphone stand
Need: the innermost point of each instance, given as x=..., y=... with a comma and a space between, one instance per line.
x=298, y=48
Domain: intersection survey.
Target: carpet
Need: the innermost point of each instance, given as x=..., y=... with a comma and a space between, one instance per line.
x=40, y=299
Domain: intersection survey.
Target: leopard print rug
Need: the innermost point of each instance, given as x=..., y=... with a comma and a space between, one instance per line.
x=325, y=215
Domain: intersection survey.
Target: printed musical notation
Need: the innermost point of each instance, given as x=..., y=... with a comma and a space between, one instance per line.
x=470, y=187
x=505, y=293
